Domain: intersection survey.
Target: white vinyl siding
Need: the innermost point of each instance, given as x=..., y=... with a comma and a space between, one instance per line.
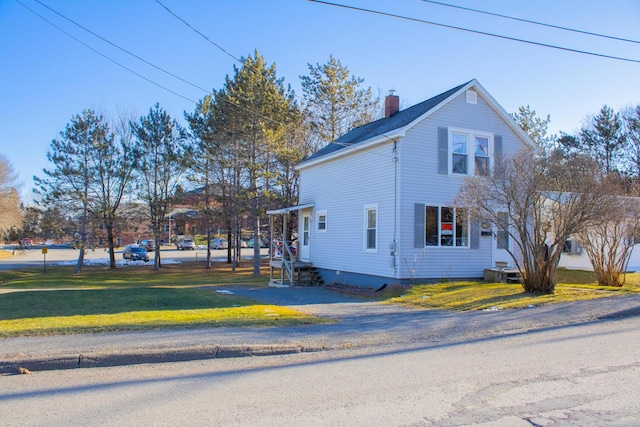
x=342, y=188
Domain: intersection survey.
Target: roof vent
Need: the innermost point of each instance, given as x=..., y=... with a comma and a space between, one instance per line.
x=472, y=97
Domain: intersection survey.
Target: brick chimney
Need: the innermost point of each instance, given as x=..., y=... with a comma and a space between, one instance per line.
x=391, y=104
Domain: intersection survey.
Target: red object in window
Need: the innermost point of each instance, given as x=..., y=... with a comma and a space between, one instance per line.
x=447, y=226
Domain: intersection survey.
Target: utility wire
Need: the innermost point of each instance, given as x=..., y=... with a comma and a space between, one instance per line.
x=241, y=62
x=255, y=70
x=146, y=61
x=205, y=37
x=121, y=48
x=140, y=59
x=422, y=21
x=103, y=55
x=528, y=21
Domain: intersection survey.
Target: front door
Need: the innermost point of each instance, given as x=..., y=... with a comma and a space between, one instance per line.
x=502, y=241
x=304, y=239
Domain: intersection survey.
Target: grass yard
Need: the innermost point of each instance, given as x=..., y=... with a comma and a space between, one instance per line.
x=184, y=295
x=100, y=300
x=572, y=286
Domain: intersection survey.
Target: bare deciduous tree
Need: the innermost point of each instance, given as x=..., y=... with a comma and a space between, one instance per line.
x=546, y=199
x=609, y=242
x=10, y=215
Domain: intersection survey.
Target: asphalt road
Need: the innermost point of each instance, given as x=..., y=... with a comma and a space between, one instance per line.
x=33, y=256
x=583, y=374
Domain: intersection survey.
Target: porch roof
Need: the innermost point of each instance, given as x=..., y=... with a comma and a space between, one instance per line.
x=289, y=209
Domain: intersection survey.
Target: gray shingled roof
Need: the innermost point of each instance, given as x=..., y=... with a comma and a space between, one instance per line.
x=379, y=127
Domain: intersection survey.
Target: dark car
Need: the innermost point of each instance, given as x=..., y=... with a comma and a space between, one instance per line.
x=135, y=253
x=149, y=245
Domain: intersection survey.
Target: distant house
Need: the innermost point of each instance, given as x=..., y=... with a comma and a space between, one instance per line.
x=376, y=204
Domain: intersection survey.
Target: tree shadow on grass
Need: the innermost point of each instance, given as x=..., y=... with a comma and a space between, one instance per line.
x=53, y=303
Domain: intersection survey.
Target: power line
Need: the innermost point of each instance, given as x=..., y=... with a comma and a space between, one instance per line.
x=422, y=21
x=103, y=55
x=140, y=59
x=205, y=37
x=121, y=48
x=255, y=70
x=528, y=21
x=244, y=64
x=144, y=60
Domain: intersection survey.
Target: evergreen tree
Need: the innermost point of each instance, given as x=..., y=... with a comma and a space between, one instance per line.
x=603, y=139
x=335, y=102
x=534, y=126
x=252, y=114
x=163, y=158
x=91, y=174
x=632, y=123
x=206, y=164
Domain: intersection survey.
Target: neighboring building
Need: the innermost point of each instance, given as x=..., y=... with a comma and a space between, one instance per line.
x=376, y=204
x=574, y=257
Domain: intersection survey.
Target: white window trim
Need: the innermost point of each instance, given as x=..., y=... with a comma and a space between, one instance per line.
x=471, y=146
x=367, y=208
x=326, y=225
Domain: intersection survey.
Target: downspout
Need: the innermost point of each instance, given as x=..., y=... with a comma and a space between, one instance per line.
x=394, y=244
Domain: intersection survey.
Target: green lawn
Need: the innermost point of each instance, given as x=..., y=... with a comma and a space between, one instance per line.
x=572, y=286
x=100, y=299
x=184, y=295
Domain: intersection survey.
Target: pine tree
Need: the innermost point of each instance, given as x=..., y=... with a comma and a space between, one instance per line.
x=602, y=138
x=252, y=115
x=335, y=102
x=164, y=153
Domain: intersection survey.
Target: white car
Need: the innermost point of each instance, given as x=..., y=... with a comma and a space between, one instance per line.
x=186, y=244
x=218, y=243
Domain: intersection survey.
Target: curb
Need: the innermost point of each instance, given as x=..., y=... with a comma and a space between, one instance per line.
x=100, y=360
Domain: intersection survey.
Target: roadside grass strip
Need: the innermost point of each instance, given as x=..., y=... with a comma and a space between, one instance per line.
x=473, y=295
x=106, y=300
x=184, y=274
x=253, y=315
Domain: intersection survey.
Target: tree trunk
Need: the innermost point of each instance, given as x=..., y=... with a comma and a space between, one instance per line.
x=112, y=252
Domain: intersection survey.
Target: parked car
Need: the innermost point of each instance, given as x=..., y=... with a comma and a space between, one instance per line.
x=186, y=244
x=26, y=242
x=219, y=243
x=149, y=245
x=135, y=253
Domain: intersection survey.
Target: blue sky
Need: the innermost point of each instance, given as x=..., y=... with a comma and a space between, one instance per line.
x=47, y=77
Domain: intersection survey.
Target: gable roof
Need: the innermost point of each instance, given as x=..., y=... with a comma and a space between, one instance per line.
x=406, y=118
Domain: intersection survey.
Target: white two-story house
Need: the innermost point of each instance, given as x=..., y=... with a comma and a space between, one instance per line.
x=376, y=204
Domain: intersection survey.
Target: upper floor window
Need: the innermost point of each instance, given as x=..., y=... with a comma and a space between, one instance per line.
x=470, y=152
